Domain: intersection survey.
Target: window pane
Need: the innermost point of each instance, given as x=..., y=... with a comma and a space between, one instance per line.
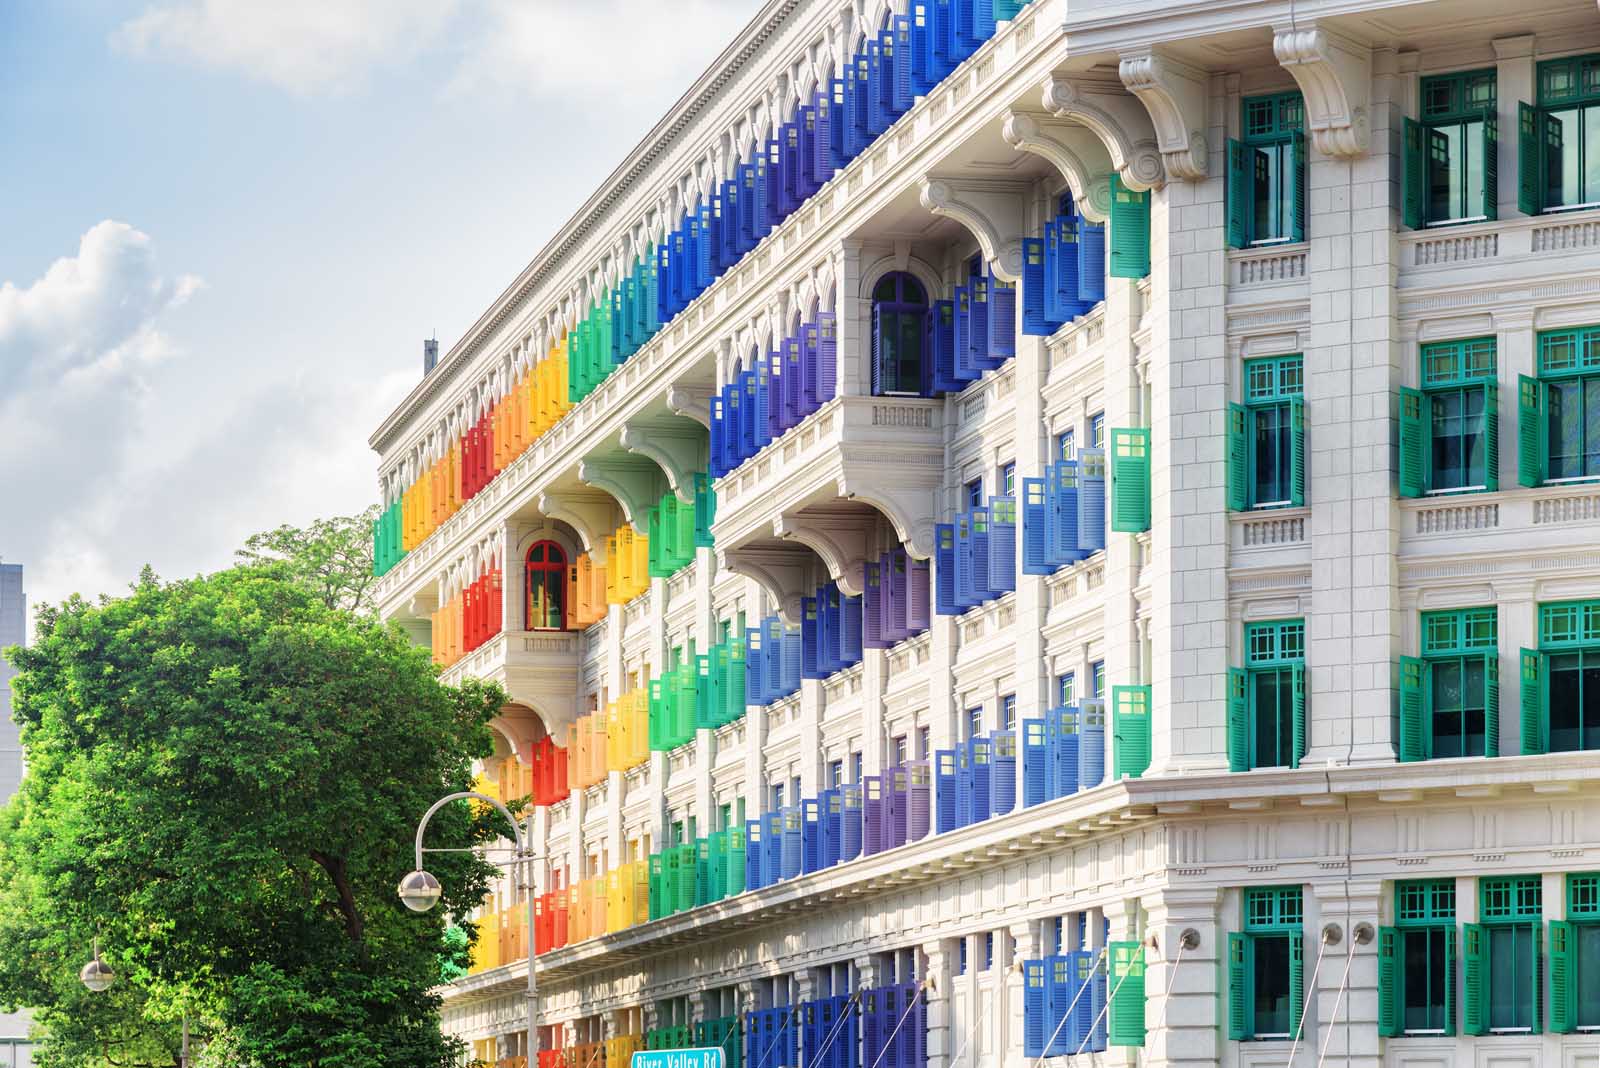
x=1447, y=465
x=1447, y=708
x=1588, y=975
x=1444, y=180
x=1266, y=174
x=1591, y=425
x=1271, y=985
x=1565, y=401
x=1591, y=155
x=1589, y=707
x=1471, y=184
x=909, y=355
x=1510, y=989
x=1424, y=979
x=1566, y=690
x=1269, y=435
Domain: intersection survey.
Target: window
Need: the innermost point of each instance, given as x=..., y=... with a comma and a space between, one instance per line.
x=1417, y=961
x=988, y=951
x=973, y=493
x=1266, y=964
x=1502, y=957
x=724, y=817
x=1266, y=436
x=974, y=722
x=794, y=790
x=898, y=748
x=546, y=586
x=1097, y=679
x=922, y=743
x=1097, y=430
x=1450, y=697
x=1561, y=680
x=835, y=773
x=899, y=337
x=777, y=797
x=1267, y=698
x=1449, y=429
x=1558, y=143
x=1450, y=173
x=1558, y=413
x=855, y=767
x=1008, y=712
x=1008, y=479
x=961, y=956
x=1066, y=690
x=1267, y=173
x=1575, y=959
x=1066, y=445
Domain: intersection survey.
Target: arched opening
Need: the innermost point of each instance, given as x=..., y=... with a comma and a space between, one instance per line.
x=546, y=587
x=900, y=337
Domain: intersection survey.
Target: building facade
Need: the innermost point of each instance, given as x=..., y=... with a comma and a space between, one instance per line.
x=1050, y=530
x=14, y=1046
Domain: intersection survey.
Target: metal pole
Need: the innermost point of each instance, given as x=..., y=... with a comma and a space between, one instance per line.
x=183, y=1057
x=533, y=1004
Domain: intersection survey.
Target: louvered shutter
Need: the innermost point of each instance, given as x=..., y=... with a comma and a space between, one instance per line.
x=1297, y=190
x=1414, y=443
x=1034, y=533
x=1130, y=479
x=1535, y=725
x=1563, y=977
x=1238, y=720
x=1475, y=979
x=1531, y=440
x=1297, y=451
x=1241, y=194
x=1127, y=993
x=1239, y=998
x=1414, y=711
x=1491, y=700
x=1389, y=1007
x=1238, y=458
x=1530, y=187
x=1130, y=231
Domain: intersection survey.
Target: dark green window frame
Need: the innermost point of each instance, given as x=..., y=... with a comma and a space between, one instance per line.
x=1417, y=961
x=1450, y=695
x=1561, y=680
x=1267, y=436
x=1575, y=958
x=1450, y=428
x=1556, y=439
x=1503, y=958
x=1267, y=172
x=1557, y=138
x=1266, y=965
x=1267, y=698
x=1449, y=168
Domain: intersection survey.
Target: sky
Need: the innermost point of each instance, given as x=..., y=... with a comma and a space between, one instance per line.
x=226, y=227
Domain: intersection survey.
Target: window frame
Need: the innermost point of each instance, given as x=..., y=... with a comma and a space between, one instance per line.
x=1581, y=638
x=1582, y=892
x=545, y=568
x=901, y=305
x=1276, y=920
x=1459, y=113
x=1284, y=393
x=1275, y=646
x=1519, y=916
x=1459, y=636
x=1548, y=101
x=1286, y=131
x=1066, y=689
x=1460, y=366
x=1436, y=917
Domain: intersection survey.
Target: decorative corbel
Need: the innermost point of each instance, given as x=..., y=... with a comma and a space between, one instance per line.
x=991, y=210
x=1335, y=78
x=636, y=484
x=1119, y=120
x=677, y=447
x=592, y=515
x=1175, y=96
x=691, y=402
x=782, y=571
x=1076, y=152
x=839, y=536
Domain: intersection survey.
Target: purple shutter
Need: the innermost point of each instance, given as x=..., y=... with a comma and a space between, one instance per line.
x=871, y=815
x=827, y=356
x=872, y=597
x=919, y=615
x=918, y=799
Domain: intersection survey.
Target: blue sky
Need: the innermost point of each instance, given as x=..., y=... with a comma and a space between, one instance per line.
x=226, y=227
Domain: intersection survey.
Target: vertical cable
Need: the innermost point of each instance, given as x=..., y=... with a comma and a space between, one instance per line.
x=1111, y=995
x=1344, y=981
x=1068, y=1014
x=1305, y=1002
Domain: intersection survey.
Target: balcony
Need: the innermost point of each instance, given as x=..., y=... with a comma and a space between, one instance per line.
x=537, y=668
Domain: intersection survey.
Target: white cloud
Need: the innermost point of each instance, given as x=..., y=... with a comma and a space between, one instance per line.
x=304, y=46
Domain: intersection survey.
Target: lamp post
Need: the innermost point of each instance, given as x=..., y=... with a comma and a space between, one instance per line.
x=97, y=976
x=420, y=891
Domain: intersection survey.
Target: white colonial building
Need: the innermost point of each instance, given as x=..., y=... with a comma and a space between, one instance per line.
x=1062, y=531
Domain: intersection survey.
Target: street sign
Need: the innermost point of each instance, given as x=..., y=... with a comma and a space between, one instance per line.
x=679, y=1058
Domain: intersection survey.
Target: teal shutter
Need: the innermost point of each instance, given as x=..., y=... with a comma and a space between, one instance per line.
x=1491, y=703
x=1238, y=458
x=1530, y=431
x=1297, y=193
x=1537, y=980
x=1238, y=984
x=1131, y=723
x=1535, y=729
x=1491, y=169
x=1297, y=981
x=1241, y=194
x=1414, y=183
x=1297, y=451
x=1126, y=1025
x=1491, y=435
x=1299, y=684
x=1450, y=980
x=1130, y=479
x=1475, y=979
x=1130, y=231
x=1388, y=982
x=1413, y=443
x=1414, y=710
x=1530, y=190
x=1563, y=973
x=1238, y=720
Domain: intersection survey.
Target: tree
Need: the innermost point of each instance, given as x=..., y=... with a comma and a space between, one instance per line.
x=224, y=779
x=331, y=557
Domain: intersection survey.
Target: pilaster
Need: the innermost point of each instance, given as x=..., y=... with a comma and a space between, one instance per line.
x=1343, y=1018
x=851, y=315
x=1182, y=981
x=936, y=992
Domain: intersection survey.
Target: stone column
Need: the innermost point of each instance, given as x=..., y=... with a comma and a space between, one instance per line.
x=1125, y=926
x=1515, y=82
x=851, y=315
x=1343, y=1008
x=1019, y=942
x=1181, y=1026
x=936, y=992
x=1031, y=452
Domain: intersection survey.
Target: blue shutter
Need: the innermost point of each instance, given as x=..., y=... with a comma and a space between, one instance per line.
x=1002, y=319
x=810, y=832
x=850, y=821
x=809, y=661
x=1035, y=762
x=922, y=79
x=1034, y=320
x=1091, y=261
x=792, y=842
x=879, y=375
x=941, y=343
x=978, y=353
x=832, y=809
x=1091, y=743
x=964, y=785
x=827, y=356
x=1035, y=511
x=1065, y=748
x=944, y=566
x=1003, y=773
x=966, y=595
x=903, y=62
x=1091, y=499
x=1033, y=1009
x=872, y=595
x=983, y=20
x=850, y=611
x=1002, y=544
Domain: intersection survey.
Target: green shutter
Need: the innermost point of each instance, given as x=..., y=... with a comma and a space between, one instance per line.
x=1413, y=443
x=1530, y=190
x=1298, y=674
x=1563, y=973
x=1238, y=720
x=1130, y=479
x=1130, y=231
x=1126, y=1026
x=1450, y=980
x=1238, y=458
x=1414, y=710
x=1530, y=431
x=1131, y=724
x=1297, y=982
x=1491, y=169
x=1537, y=973
x=1241, y=194
x=1297, y=192
x=1491, y=435
x=1475, y=978
x=1415, y=181
x=1535, y=729
x=1388, y=982
x=1297, y=451
x=1491, y=703
x=1238, y=980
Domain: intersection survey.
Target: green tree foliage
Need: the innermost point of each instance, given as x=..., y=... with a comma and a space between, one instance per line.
x=332, y=557
x=224, y=780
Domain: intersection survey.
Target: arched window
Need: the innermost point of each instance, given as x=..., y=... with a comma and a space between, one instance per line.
x=900, y=337
x=547, y=587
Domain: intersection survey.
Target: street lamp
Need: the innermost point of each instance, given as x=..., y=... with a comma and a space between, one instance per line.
x=420, y=891
x=98, y=977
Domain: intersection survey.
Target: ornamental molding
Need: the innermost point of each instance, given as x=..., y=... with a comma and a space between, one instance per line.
x=1175, y=96
x=675, y=446
x=992, y=211
x=1075, y=151
x=781, y=571
x=635, y=483
x=691, y=402
x=1335, y=78
x=840, y=535
x=1119, y=120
